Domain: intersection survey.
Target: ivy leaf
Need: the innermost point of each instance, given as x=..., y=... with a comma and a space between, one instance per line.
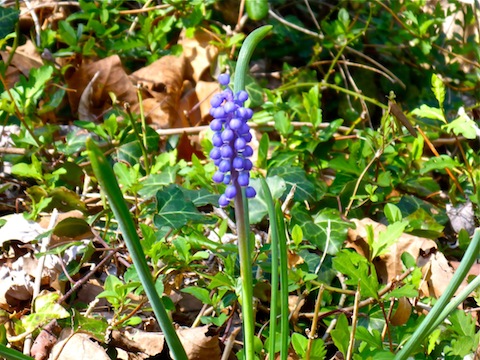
x=201, y=197
x=326, y=230
x=305, y=190
x=8, y=19
x=174, y=210
x=155, y=181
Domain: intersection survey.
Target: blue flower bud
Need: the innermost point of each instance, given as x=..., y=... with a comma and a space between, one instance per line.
x=224, y=166
x=215, y=153
x=224, y=79
x=230, y=192
x=250, y=192
x=244, y=178
x=240, y=144
x=242, y=96
x=218, y=177
x=216, y=100
x=226, y=151
x=216, y=125
x=223, y=201
x=227, y=135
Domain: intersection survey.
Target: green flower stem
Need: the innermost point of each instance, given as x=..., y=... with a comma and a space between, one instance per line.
x=245, y=55
x=282, y=243
x=241, y=207
x=105, y=176
x=275, y=254
x=279, y=250
x=245, y=258
x=442, y=309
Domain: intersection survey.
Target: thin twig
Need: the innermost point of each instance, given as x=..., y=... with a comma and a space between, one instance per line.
x=293, y=26
x=354, y=324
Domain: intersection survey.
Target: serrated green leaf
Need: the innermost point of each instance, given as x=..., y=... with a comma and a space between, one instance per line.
x=67, y=33
x=387, y=238
x=464, y=126
x=46, y=309
x=173, y=209
x=429, y=112
x=436, y=163
x=359, y=271
x=263, y=151
x=408, y=290
x=438, y=88
x=373, y=338
x=392, y=213
x=299, y=343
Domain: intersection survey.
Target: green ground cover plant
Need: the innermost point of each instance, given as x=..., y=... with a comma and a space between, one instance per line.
x=343, y=223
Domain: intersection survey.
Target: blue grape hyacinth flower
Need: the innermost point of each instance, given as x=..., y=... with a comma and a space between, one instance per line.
x=231, y=152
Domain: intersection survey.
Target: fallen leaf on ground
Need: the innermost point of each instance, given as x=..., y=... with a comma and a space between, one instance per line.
x=111, y=78
x=77, y=346
x=161, y=83
x=199, y=344
x=198, y=51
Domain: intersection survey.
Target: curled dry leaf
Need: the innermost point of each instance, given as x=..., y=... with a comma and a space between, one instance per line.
x=111, y=78
x=198, y=342
x=402, y=313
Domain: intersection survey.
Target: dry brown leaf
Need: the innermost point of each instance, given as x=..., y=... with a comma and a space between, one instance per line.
x=199, y=344
x=162, y=84
x=77, y=346
x=111, y=78
x=205, y=91
x=402, y=313
x=198, y=51
x=25, y=59
x=140, y=343
x=161, y=113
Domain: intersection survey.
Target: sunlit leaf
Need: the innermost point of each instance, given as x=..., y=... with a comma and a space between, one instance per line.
x=173, y=209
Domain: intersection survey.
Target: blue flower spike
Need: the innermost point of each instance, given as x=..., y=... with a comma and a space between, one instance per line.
x=231, y=151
